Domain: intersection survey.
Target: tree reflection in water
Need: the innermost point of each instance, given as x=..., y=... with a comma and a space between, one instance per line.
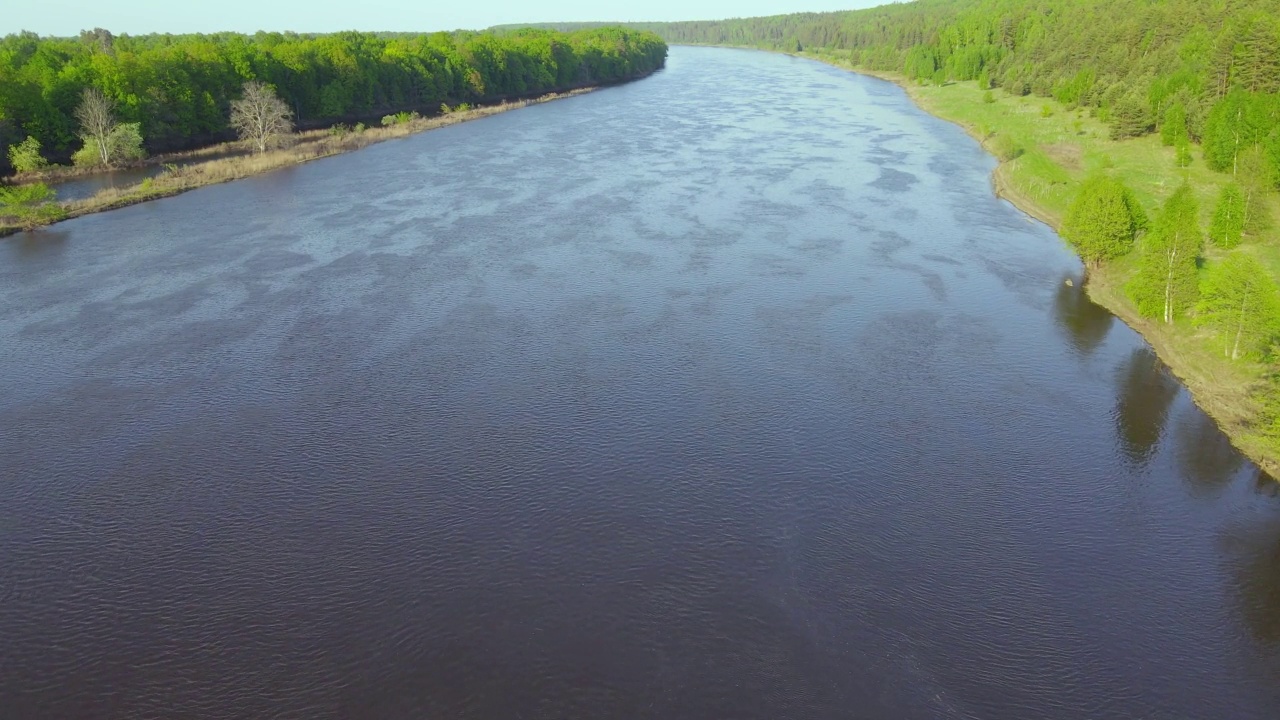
x=1254, y=550
x=1084, y=323
x=1205, y=454
x=1146, y=390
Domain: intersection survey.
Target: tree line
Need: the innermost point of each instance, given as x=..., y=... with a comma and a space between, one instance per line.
x=1194, y=71
x=172, y=92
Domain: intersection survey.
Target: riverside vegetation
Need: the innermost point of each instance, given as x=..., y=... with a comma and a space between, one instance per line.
x=1147, y=132
x=100, y=101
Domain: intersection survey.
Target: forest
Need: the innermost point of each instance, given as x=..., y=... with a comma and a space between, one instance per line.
x=178, y=89
x=1197, y=258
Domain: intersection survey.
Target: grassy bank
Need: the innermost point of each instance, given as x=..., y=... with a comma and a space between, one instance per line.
x=231, y=161
x=1045, y=151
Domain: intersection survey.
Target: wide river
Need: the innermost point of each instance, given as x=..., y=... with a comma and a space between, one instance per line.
x=729, y=393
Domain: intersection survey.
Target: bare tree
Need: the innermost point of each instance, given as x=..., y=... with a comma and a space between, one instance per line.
x=97, y=121
x=260, y=116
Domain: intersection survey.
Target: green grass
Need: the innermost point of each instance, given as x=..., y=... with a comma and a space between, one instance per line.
x=1065, y=147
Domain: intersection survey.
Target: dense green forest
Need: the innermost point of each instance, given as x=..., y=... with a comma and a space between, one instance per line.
x=1211, y=69
x=179, y=87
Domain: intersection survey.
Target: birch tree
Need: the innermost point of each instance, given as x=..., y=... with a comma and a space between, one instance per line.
x=96, y=114
x=1241, y=303
x=1166, y=282
x=105, y=139
x=260, y=117
x=1228, y=221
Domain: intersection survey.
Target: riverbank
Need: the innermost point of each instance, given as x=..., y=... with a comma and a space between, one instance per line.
x=230, y=161
x=1045, y=150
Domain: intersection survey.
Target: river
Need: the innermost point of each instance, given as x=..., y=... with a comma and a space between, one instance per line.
x=729, y=393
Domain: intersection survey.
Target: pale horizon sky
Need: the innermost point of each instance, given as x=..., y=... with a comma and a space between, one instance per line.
x=136, y=17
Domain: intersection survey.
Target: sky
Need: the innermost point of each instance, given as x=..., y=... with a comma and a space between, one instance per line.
x=68, y=17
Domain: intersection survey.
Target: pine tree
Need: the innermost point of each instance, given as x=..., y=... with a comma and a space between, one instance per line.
x=1241, y=303
x=1103, y=221
x=1227, y=225
x=1165, y=285
x=1131, y=117
x=1258, y=59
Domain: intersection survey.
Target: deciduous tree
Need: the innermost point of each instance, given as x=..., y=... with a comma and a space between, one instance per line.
x=26, y=157
x=96, y=114
x=1227, y=225
x=1165, y=285
x=1103, y=221
x=1256, y=175
x=106, y=141
x=1241, y=303
x=260, y=117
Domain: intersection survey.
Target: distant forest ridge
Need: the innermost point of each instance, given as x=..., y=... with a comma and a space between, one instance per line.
x=1132, y=61
x=179, y=87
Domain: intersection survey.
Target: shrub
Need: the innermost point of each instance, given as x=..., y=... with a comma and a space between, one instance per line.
x=388, y=120
x=87, y=156
x=126, y=142
x=340, y=129
x=359, y=128
x=988, y=97
x=1006, y=148
x=31, y=205
x=1046, y=111
x=26, y=157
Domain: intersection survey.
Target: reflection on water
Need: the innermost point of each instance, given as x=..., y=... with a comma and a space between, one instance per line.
x=1083, y=322
x=1146, y=390
x=32, y=246
x=1256, y=547
x=1207, y=458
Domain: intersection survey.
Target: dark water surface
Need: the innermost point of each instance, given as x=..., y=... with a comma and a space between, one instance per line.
x=731, y=393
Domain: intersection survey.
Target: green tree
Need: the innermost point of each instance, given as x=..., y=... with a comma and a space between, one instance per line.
x=1130, y=117
x=1258, y=57
x=1182, y=158
x=26, y=157
x=1227, y=225
x=1256, y=175
x=30, y=205
x=1173, y=131
x=1240, y=302
x=1103, y=220
x=1165, y=285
